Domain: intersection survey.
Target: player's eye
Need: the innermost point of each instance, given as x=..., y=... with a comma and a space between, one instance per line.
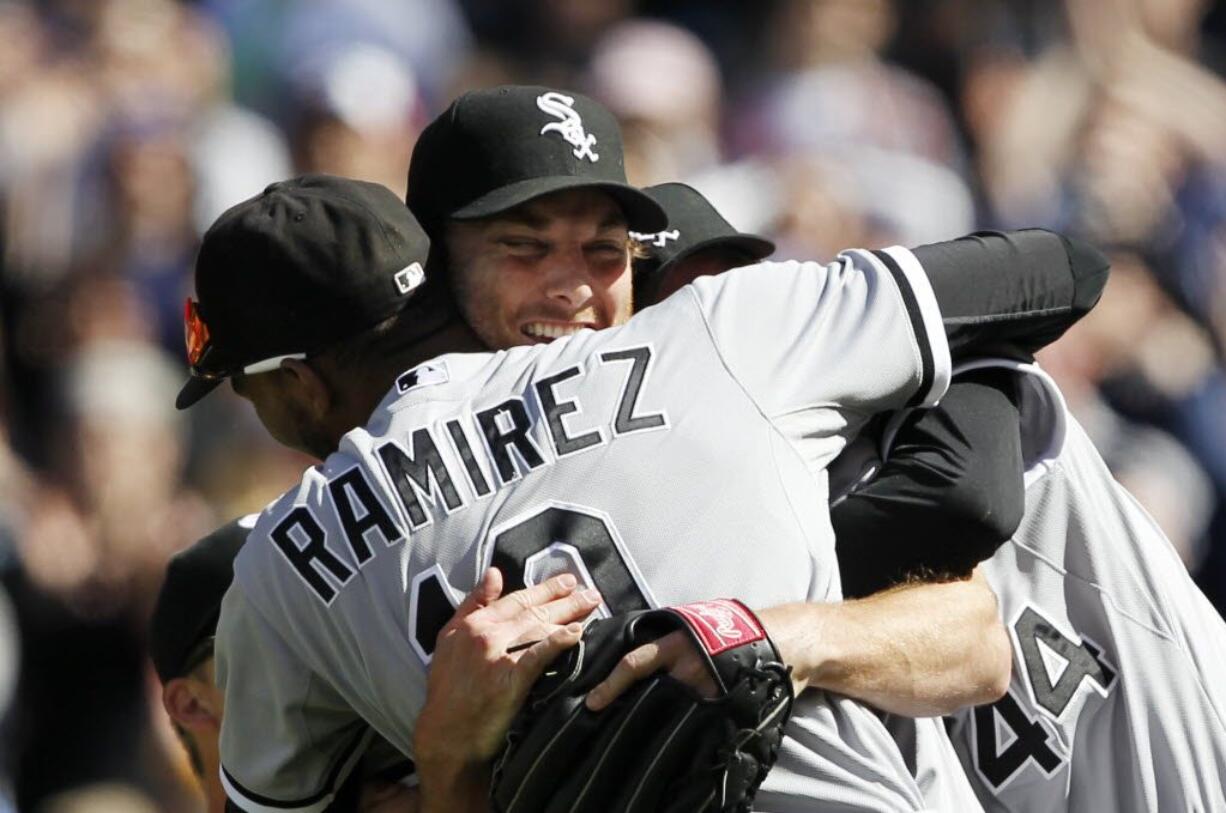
x=607, y=249
x=523, y=245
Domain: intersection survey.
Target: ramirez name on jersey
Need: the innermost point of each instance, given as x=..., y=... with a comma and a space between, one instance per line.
x=424, y=476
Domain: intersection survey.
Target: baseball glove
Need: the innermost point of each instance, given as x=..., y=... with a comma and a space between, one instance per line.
x=659, y=746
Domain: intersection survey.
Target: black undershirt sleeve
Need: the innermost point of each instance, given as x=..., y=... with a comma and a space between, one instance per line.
x=951, y=492
x=1008, y=294
x=948, y=496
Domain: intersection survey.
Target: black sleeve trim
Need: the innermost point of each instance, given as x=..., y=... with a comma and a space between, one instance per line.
x=345, y=758
x=918, y=327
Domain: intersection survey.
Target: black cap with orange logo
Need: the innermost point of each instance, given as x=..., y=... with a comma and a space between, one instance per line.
x=306, y=263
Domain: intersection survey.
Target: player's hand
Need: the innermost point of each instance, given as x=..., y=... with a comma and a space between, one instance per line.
x=486, y=659
x=677, y=656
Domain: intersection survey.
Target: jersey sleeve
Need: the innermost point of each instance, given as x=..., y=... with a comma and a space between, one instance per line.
x=947, y=495
x=288, y=742
x=1009, y=294
x=863, y=333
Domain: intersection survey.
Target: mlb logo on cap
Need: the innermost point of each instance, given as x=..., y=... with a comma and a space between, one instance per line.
x=409, y=277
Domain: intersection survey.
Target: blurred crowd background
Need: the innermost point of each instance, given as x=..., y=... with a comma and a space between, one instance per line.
x=126, y=126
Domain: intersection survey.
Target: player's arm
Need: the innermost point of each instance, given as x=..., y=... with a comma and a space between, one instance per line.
x=1009, y=294
x=947, y=495
x=920, y=650
x=485, y=660
x=878, y=330
x=288, y=740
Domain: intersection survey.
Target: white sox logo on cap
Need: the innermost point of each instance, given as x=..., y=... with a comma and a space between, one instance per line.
x=569, y=125
x=658, y=239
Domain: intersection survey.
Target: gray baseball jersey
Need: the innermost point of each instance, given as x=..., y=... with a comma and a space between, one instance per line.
x=679, y=457
x=1118, y=695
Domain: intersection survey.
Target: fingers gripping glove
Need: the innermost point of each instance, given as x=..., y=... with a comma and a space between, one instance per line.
x=659, y=746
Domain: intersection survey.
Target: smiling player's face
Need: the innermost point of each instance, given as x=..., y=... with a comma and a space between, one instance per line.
x=548, y=268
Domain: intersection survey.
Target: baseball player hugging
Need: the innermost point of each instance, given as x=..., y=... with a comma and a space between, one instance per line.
x=483, y=398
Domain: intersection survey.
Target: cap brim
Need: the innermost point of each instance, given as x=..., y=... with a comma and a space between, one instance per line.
x=642, y=213
x=194, y=390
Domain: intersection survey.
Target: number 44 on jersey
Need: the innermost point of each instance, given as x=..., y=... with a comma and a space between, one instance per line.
x=1029, y=725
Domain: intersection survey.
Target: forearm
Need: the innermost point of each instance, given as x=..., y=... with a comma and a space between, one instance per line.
x=920, y=650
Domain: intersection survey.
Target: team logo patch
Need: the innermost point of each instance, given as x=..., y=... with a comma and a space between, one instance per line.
x=721, y=624
x=658, y=239
x=423, y=375
x=409, y=277
x=568, y=125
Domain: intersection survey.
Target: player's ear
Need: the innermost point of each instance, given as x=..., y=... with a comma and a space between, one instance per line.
x=189, y=706
x=309, y=387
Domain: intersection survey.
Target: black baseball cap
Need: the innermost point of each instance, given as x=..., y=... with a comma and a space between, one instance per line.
x=304, y=264
x=694, y=224
x=185, y=615
x=496, y=148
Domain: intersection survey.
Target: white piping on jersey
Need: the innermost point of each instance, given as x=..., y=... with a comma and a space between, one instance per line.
x=930, y=316
x=931, y=330
x=454, y=596
x=1041, y=463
